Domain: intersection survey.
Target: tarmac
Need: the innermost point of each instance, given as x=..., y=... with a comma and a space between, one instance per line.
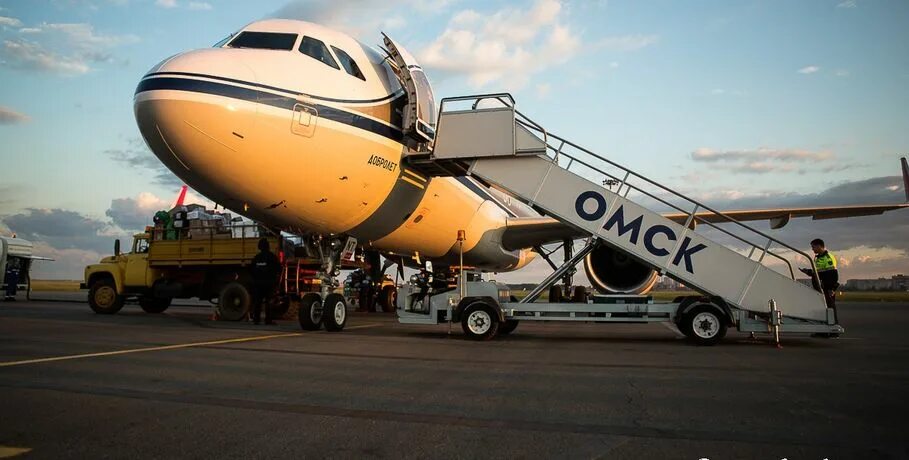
x=74, y=384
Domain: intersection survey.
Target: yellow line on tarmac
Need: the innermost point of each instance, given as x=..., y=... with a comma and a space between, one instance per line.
x=9, y=452
x=141, y=350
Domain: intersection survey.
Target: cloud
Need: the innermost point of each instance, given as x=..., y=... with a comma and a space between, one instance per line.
x=137, y=155
x=60, y=228
x=9, y=22
x=66, y=49
x=809, y=69
x=841, y=73
x=360, y=17
x=135, y=213
x=166, y=3
x=790, y=155
x=847, y=4
x=201, y=6
x=543, y=90
x=9, y=116
x=486, y=48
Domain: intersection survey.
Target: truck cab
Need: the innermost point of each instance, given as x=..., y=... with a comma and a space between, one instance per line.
x=115, y=278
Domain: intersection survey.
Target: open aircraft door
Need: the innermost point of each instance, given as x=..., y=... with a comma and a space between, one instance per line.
x=420, y=112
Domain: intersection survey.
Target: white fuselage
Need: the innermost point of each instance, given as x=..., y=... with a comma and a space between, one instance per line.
x=300, y=145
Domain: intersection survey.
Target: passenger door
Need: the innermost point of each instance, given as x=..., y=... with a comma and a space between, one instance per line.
x=420, y=113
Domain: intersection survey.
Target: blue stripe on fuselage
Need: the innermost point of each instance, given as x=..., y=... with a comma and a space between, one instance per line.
x=274, y=100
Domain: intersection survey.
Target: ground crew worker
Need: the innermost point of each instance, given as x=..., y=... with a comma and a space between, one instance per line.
x=825, y=264
x=265, y=271
x=367, y=292
x=11, y=278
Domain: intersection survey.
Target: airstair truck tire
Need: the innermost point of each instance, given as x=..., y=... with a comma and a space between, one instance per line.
x=704, y=325
x=334, y=312
x=310, y=312
x=480, y=321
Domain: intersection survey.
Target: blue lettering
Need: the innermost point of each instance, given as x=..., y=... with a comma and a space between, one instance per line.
x=619, y=218
x=648, y=239
x=685, y=253
x=582, y=200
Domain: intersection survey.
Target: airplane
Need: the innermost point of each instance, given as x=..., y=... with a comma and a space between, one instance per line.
x=306, y=130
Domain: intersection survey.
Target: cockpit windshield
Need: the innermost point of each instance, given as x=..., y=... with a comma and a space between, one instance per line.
x=264, y=40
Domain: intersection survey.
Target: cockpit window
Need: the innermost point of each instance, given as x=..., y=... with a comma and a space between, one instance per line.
x=348, y=63
x=318, y=51
x=223, y=41
x=264, y=40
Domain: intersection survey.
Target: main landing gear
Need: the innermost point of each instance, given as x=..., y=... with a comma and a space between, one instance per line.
x=325, y=307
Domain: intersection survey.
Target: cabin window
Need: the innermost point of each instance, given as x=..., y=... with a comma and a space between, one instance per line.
x=318, y=51
x=264, y=41
x=348, y=63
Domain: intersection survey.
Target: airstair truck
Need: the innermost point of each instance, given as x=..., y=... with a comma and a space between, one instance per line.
x=594, y=197
x=16, y=253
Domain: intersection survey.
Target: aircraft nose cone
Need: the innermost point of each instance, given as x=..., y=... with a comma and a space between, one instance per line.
x=195, y=110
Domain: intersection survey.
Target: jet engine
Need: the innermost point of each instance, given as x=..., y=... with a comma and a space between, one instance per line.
x=614, y=272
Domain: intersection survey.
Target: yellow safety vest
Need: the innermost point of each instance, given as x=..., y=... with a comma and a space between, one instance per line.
x=824, y=262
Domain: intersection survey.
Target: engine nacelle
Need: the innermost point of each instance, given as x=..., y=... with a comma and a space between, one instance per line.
x=614, y=272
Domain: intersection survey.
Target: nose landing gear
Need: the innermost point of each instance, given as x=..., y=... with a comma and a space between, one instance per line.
x=325, y=307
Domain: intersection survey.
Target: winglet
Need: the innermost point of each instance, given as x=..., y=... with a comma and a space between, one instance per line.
x=905, y=177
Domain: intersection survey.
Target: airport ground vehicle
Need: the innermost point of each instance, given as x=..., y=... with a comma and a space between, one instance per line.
x=728, y=265
x=16, y=253
x=213, y=265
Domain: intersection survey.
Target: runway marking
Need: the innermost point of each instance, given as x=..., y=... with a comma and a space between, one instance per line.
x=142, y=350
x=9, y=452
x=169, y=347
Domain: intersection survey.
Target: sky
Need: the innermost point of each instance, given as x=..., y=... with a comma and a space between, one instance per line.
x=739, y=103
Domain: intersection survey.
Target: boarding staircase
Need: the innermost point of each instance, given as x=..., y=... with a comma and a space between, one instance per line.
x=485, y=137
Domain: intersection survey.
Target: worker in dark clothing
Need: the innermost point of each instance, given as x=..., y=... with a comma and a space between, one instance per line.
x=367, y=292
x=265, y=271
x=11, y=279
x=424, y=282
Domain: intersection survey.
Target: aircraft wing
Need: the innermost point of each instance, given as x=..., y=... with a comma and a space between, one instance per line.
x=781, y=216
x=527, y=232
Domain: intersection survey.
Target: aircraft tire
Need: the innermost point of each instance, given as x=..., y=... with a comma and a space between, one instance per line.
x=555, y=294
x=334, y=312
x=480, y=321
x=387, y=297
x=310, y=312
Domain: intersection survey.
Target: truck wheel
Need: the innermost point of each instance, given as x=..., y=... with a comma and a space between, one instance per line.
x=103, y=297
x=387, y=297
x=310, y=313
x=234, y=301
x=704, y=325
x=334, y=312
x=508, y=327
x=480, y=321
x=153, y=304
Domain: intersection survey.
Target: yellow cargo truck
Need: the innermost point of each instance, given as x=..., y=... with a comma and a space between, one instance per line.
x=210, y=265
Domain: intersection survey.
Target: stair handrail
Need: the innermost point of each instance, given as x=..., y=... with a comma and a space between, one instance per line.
x=692, y=215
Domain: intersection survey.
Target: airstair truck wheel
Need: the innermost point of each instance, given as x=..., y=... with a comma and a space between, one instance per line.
x=480, y=321
x=310, y=313
x=704, y=325
x=334, y=312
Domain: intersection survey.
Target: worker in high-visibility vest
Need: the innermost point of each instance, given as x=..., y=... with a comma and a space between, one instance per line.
x=825, y=264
